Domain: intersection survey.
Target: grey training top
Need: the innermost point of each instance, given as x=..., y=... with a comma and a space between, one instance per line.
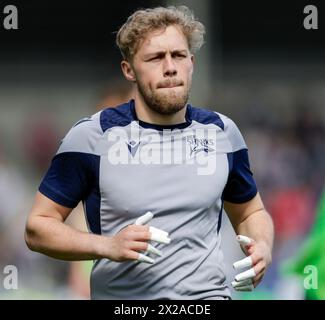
x=122, y=167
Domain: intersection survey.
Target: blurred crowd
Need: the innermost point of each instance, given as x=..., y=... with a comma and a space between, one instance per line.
x=288, y=165
x=286, y=158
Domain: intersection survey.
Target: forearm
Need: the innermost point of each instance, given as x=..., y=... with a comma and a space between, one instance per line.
x=258, y=226
x=58, y=240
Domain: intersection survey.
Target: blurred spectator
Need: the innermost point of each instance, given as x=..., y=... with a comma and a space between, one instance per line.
x=13, y=196
x=41, y=141
x=116, y=91
x=312, y=254
x=292, y=211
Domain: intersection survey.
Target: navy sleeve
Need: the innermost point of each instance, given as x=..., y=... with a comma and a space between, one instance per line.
x=70, y=178
x=241, y=186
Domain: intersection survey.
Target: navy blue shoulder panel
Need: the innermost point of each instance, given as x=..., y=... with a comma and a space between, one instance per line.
x=120, y=116
x=241, y=186
x=72, y=177
x=205, y=116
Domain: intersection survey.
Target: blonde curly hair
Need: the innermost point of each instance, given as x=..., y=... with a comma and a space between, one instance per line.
x=142, y=22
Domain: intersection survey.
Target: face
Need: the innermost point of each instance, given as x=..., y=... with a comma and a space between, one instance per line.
x=162, y=69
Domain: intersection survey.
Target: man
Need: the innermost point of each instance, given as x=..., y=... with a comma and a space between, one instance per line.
x=155, y=154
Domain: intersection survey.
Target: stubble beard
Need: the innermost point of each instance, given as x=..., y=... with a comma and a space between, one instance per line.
x=164, y=103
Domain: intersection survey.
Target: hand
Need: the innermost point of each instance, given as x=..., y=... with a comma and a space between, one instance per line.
x=127, y=243
x=258, y=257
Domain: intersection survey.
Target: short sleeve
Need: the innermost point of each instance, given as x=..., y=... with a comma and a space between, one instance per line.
x=241, y=186
x=74, y=169
x=70, y=178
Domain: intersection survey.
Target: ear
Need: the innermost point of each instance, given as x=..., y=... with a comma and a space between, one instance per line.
x=128, y=71
x=192, y=59
x=193, y=62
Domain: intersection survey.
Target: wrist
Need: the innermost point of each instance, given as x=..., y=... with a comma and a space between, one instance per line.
x=102, y=245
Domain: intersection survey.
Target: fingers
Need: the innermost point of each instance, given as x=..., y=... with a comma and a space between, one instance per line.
x=156, y=230
x=260, y=271
x=258, y=279
x=144, y=219
x=157, y=235
x=153, y=250
x=154, y=234
x=245, y=241
x=242, y=283
x=244, y=263
x=249, y=279
x=146, y=259
x=145, y=233
x=254, y=274
x=132, y=253
x=145, y=247
x=248, y=274
x=245, y=288
x=160, y=238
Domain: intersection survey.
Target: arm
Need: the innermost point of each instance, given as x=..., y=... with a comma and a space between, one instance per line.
x=71, y=177
x=47, y=233
x=252, y=220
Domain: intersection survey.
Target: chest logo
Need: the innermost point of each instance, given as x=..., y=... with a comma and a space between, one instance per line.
x=133, y=147
x=199, y=145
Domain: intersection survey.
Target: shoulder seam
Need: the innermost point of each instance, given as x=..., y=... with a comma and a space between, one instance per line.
x=205, y=116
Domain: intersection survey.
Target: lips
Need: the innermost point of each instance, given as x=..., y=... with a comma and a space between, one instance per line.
x=170, y=85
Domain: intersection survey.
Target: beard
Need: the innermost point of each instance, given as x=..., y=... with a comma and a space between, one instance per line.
x=165, y=101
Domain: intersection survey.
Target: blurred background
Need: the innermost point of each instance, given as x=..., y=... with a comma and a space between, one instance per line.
x=259, y=66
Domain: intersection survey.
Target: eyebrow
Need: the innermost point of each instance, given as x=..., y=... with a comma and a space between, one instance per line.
x=161, y=53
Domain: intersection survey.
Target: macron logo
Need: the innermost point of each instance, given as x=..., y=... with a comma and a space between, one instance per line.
x=133, y=147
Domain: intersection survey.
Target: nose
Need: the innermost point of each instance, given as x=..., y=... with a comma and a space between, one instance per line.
x=169, y=67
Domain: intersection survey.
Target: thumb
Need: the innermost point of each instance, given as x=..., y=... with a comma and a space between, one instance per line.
x=144, y=219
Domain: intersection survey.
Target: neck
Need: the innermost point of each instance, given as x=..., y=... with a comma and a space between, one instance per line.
x=146, y=114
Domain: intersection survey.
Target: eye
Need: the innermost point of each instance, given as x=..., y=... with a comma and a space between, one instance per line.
x=180, y=55
x=155, y=58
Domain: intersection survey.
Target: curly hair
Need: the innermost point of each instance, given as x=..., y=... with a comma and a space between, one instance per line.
x=142, y=22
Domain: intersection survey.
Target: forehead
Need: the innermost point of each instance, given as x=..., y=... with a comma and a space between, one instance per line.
x=172, y=38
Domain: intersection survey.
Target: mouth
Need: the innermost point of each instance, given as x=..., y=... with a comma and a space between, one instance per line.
x=169, y=85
